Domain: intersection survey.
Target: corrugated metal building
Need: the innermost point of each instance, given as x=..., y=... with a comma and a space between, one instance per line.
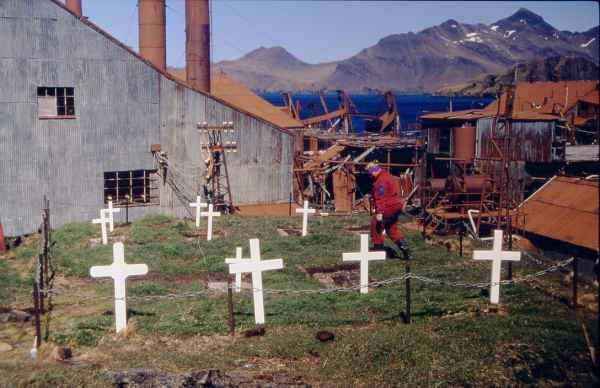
x=79, y=112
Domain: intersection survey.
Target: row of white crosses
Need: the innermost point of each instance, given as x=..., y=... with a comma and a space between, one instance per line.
x=119, y=271
x=106, y=217
x=209, y=215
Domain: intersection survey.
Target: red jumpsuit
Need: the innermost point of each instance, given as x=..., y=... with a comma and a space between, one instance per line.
x=387, y=201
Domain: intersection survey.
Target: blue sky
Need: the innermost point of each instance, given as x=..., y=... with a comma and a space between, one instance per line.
x=320, y=31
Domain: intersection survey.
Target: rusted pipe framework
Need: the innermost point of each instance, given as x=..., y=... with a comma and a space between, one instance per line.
x=152, y=32
x=197, y=44
x=74, y=6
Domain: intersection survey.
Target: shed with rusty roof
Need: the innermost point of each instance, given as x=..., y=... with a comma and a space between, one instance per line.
x=564, y=209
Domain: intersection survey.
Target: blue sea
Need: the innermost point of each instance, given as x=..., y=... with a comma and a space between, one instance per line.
x=410, y=106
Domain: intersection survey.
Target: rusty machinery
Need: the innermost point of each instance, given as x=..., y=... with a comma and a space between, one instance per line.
x=217, y=142
x=482, y=184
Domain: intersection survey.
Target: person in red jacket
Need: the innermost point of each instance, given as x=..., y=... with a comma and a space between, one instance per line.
x=388, y=207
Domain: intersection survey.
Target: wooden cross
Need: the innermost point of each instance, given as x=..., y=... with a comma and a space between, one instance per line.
x=110, y=212
x=256, y=267
x=198, y=205
x=102, y=221
x=364, y=256
x=119, y=271
x=210, y=214
x=238, y=259
x=305, y=212
x=497, y=256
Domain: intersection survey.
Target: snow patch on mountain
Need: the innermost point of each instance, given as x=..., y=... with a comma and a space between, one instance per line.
x=584, y=45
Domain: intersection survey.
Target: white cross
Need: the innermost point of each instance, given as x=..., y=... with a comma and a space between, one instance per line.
x=496, y=255
x=238, y=259
x=198, y=205
x=110, y=212
x=364, y=256
x=102, y=221
x=305, y=212
x=256, y=266
x=210, y=214
x=119, y=271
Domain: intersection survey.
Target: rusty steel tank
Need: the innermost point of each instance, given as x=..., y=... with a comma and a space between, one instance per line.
x=469, y=184
x=463, y=143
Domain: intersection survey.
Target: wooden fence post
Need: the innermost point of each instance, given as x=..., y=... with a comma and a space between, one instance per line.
x=575, y=281
x=2, y=241
x=36, y=317
x=407, y=316
x=230, y=307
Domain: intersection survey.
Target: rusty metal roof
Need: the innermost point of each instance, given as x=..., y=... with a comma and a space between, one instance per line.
x=564, y=209
x=536, y=101
x=551, y=98
x=232, y=91
x=235, y=93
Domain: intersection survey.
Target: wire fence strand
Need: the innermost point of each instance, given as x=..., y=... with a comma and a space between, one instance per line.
x=374, y=284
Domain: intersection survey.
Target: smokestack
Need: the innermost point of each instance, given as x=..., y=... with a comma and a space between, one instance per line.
x=197, y=44
x=152, y=32
x=74, y=6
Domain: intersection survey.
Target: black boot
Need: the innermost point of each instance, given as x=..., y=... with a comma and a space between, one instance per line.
x=404, y=249
x=378, y=247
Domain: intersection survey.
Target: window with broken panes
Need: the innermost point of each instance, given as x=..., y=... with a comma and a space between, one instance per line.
x=56, y=102
x=131, y=188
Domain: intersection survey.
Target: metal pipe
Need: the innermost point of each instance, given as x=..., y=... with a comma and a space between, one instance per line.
x=152, y=32
x=197, y=44
x=74, y=6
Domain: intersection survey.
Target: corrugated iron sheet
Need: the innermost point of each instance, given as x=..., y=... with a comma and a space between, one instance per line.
x=565, y=209
x=531, y=141
x=123, y=105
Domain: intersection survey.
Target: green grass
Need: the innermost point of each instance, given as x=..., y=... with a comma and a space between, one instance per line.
x=453, y=340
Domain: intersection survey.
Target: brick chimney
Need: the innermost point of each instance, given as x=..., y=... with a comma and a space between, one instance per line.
x=74, y=6
x=152, y=32
x=197, y=44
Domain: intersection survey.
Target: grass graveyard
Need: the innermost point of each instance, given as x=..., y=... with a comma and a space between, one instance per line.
x=454, y=339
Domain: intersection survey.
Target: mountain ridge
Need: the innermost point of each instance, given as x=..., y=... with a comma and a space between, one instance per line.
x=424, y=61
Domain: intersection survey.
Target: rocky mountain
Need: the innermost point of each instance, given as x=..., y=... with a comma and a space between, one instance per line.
x=548, y=69
x=443, y=55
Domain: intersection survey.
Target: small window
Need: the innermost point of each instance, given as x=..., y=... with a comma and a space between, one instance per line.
x=56, y=103
x=131, y=188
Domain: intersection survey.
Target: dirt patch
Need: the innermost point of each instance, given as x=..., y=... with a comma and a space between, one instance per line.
x=196, y=236
x=285, y=232
x=201, y=378
x=360, y=228
x=340, y=275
